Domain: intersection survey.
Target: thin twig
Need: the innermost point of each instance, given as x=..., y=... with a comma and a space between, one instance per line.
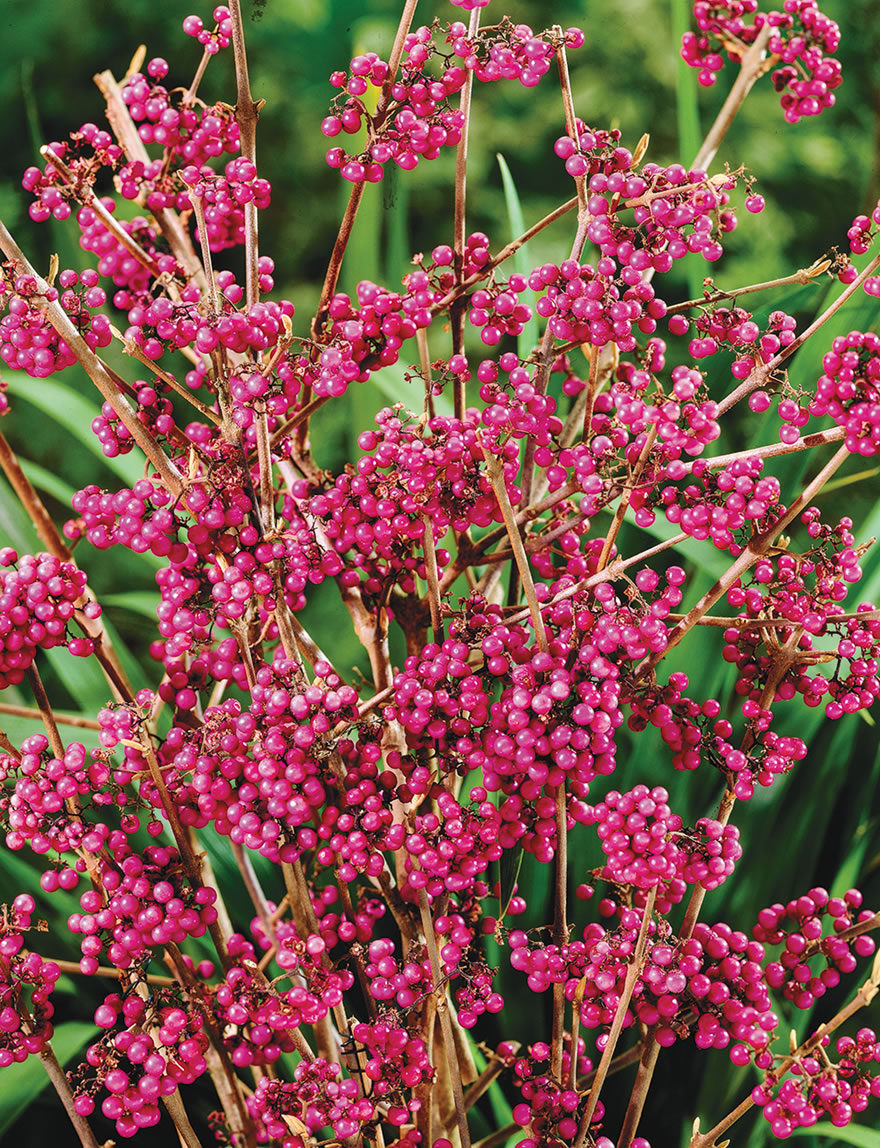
x=628, y=490
x=125, y=130
x=505, y=253
x=61, y=1085
x=114, y=974
x=801, y=277
x=580, y=181
x=432, y=579
x=495, y=472
x=560, y=930
x=246, y=115
x=752, y=66
x=357, y=191
x=457, y=308
x=90, y=200
x=62, y=719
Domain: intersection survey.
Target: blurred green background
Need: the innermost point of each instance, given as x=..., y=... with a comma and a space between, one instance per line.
x=819, y=826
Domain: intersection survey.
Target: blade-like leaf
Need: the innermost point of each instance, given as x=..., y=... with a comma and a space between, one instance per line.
x=851, y=1134
x=510, y=865
x=66, y=406
x=138, y=601
x=528, y=340
x=21, y=1084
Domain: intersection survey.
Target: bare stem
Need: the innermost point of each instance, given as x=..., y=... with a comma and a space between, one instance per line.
x=213, y=298
x=495, y=471
x=62, y=719
x=254, y=889
x=459, y=232
x=60, y=1083
x=433, y=580
x=570, y=118
x=246, y=115
x=126, y=133
x=357, y=191
x=42, y=699
x=752, y=66
x=90, y=200
x=113, y=973
x=639, y=1094
x=174, y=1105
x=182, y=840
x=802, y=277
x=620, y=512
x=32, y=502
x=773, y=449
x=560, y=930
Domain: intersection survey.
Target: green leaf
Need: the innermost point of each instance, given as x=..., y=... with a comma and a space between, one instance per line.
x=16, y=529
x=528, y=340
x=47, y=482
x=509, y=866
x=83, y=679
x=138, y=601
x=21, y=1084
x=687, y=110
x=66, y=406
x=851, y=1134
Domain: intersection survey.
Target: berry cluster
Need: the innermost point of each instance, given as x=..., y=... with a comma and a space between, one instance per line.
x=28, y=341
x=848, y=390
x=860, y=235
x=497, y=311
x=798, y=926
x=151, y=1046
x=510, y=51
x=26, y=983
x=801, y=37
x=86, y=152
x=320, y=1096
x=587, y=304
x=646, y=845
x=416, y=122
x=724, y=502
x=223, y=199
x=211, y=39
x=39, y=595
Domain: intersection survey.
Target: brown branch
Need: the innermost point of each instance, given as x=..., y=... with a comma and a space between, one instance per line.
x=752, y=66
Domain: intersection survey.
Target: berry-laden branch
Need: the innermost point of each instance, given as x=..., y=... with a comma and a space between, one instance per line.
x=93, y=366
x=379, y=926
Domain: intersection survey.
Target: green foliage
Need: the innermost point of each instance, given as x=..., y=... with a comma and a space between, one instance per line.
x=22, y=1084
